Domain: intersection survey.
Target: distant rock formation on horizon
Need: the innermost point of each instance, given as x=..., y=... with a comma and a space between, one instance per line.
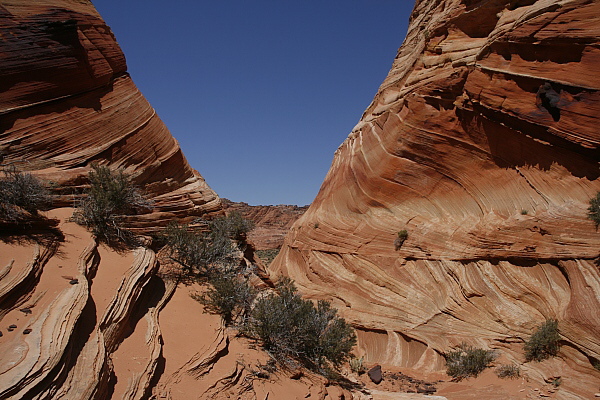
x=272, y=223
x=483, y=144
x=66, y=101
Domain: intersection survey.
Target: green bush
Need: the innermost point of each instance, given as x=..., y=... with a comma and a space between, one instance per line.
x=233, y=226
x=198, y=253
x=402, y=236
x=228, y=295
x=110, y=197
x=293, y=330
x=511, y=371
x=21, y=192
x=205, y=252
x=357, y=366
x=544, y=343
x=466, y=361
x=267, y=255
x=594, y=209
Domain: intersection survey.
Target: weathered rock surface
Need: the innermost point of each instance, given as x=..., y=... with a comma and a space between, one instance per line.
x=79, y=320
x=66, y=101
x=272, y=223
x=483, y=144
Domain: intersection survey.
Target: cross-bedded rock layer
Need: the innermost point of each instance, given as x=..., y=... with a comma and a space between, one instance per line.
x=272, y=223
x=67, y=101
x=483, y=144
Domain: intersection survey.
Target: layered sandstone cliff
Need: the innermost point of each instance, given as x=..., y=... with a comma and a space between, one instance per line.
x=66, y=101
x=271, y=223
x=80, y=320
x=483, y=144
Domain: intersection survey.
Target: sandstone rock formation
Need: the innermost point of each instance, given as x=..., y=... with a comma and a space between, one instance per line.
x=79, y=320
x=272, y=223
x=482, y=143
x=66, y=100
x=92, y=323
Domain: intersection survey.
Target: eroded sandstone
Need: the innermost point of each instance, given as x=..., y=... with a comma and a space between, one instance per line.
x=66, y=101
x=482, y=144
x=272, y=223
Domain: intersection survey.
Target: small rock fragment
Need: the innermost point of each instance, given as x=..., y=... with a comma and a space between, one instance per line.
x=297, y=374
x=25, y=310
x=12, y=327
x=375, y=374
x=74, y=281
x=1, y=334
x=27, y=331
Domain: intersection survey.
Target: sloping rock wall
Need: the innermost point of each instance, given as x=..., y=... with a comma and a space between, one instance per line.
x=66, y=101
x=271, y=223
x=482, y=143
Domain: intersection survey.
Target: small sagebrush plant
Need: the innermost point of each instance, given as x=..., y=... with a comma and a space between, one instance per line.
x=357, y=366
x=204, y=253
x=466, y=361
x=594, y=209
x=21, y=191
x=544, y=342
x=295, y=331
x=510, y=371
x=402, y=236
x=110, y=197
x=267, y=255
x=228, y=295
x=198, y=253
x=233, y=226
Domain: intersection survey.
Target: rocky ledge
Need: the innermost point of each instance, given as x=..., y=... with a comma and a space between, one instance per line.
x=482, y=145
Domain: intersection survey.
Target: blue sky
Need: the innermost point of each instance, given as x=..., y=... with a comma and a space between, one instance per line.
x=260, y=93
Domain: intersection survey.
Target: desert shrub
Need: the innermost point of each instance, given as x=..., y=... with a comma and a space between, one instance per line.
x=267, y=255
x=544, y=342
x=201, y=253
x=293, y=330
x=233, y=226
x=356, y=365
x=228, y=295
x=511, y=371
x=556, y=381
x=21, y=191
x=402, y=236
x=110, y=197
x=465, y=361
x=594, y=209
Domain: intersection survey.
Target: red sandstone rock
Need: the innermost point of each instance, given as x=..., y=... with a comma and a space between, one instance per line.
x=272, y=223
x=66, y=101
x=483, y=144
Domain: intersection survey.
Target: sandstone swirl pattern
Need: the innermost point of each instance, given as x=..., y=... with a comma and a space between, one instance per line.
x=482, y=143
x=66, y=100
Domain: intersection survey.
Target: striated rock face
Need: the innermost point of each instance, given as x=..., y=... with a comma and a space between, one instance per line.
x=66, y=101
x=79, y=320
x=272, y=223
x=483, y=144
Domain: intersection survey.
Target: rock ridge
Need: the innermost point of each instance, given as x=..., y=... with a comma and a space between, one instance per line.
x=482, y=144
x=67, y=101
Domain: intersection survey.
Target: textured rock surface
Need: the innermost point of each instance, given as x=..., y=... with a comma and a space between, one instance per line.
x=66, y=100
x=272, y=223
x=104, y=325
x=483, y=144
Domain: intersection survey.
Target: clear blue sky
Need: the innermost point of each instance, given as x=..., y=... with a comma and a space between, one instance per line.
x=259, y=93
